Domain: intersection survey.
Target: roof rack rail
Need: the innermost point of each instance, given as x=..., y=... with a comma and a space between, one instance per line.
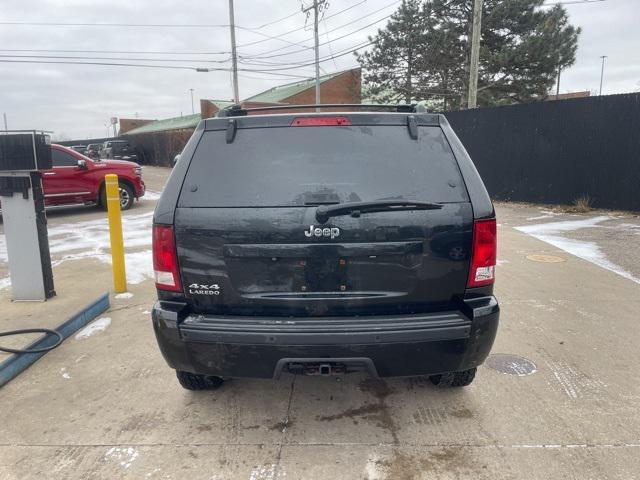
x=238, y=111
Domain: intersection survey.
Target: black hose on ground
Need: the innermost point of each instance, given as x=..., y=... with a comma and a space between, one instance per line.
x=32, y=330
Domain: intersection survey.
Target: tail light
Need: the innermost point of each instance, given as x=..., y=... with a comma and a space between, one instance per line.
x=483, y=258
x=165, y=259
x=320, y=121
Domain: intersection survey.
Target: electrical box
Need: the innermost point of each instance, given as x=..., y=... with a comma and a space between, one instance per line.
x=22, y=155
x=25, y=152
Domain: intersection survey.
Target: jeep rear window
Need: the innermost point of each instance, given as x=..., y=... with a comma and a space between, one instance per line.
x=289, y=166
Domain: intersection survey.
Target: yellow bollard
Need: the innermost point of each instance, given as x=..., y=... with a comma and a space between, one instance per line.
x=115, y=232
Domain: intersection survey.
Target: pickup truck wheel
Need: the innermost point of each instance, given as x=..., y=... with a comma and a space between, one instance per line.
x=193, y=381
x=454, y=379
x=126, y=196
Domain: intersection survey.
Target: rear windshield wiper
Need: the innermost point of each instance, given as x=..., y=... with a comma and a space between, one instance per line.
x=324, y=212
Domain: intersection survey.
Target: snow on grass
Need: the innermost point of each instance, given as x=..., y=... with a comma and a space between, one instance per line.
x=589, y=251
x=98, y=325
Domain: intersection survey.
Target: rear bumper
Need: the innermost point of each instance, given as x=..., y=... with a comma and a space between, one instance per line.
x=385, y=345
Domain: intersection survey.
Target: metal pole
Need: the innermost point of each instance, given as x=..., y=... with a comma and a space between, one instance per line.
x=4, y=115
x=475, y=54
x=234, y=57
x=317, y=49
x=602, y=72
x=115, y=232
x=192, y=110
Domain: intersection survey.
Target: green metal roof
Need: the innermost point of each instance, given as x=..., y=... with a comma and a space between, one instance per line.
x=175, y=123
x=282, y=92
x=222, y=103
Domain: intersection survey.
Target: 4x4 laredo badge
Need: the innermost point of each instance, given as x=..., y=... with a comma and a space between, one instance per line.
x=198, y=289
x=322, y=232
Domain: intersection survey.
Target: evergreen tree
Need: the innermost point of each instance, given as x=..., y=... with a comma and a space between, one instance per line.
x=423, y=52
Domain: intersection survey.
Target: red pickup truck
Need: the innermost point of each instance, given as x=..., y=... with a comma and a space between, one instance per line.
x=75, y=179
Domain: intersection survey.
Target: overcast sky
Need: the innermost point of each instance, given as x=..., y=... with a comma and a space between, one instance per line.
x=77, y=100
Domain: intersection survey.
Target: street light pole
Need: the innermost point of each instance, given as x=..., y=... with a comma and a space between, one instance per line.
x=234, y=57
x=602, y=72
x=192, y=110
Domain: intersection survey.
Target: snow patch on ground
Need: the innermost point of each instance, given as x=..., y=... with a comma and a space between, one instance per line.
x=263, y=472
x=98, y=325
x=139, y=266
x=64, y=373
x=124, y=456
x=90, y=239
x=124, y=295
x=501, y=262
x=373, y=468
x=150, y=195
x=589, y=251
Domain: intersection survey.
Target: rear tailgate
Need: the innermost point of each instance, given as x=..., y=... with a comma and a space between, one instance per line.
x=247, y=234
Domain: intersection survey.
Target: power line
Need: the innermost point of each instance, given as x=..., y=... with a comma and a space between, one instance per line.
x=262, y=54
x=303, y=63
x=127, y=59
x=329, y=57
x=129, y=52
x=173, y=67
x=324, y=22
x=165, y=52
x=279, y=20
x=124, y=25
x=304, y=27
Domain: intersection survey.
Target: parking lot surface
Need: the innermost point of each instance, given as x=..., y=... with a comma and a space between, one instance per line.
x=558, y=398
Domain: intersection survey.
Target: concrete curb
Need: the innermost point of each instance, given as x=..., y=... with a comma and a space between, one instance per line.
x=17, y=363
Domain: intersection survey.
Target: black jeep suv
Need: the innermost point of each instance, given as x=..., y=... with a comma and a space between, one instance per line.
x=324, y=243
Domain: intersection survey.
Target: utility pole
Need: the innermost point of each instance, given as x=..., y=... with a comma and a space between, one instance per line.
x=558, y=84
x=602, y=72
x=192, y=110
x=317, y=6
x=4, y=115
x=475, y=54
x=234, y=57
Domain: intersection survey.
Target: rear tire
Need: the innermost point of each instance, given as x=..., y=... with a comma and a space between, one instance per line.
x=193, y=381
x=454, y=379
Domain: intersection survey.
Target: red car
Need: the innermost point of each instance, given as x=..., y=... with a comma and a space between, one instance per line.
x=75, y=179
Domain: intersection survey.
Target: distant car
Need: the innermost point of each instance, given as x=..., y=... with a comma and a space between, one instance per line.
x=79, y=148
x=76, y=179
x=118, y=149
x=93, y=151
